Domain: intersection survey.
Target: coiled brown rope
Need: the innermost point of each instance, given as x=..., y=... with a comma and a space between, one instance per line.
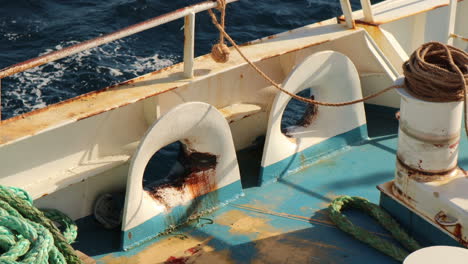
x=434, y=70
x=438, y=73
x=220, y=52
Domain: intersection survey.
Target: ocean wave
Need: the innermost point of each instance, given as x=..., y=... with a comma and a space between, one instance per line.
x=66, y=78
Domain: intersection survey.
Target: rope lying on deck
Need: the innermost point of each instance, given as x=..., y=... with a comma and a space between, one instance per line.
x=384, y=246
x=441, y=67
x=27, y=235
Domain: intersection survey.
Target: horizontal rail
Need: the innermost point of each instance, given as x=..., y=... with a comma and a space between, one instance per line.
x=125, y=32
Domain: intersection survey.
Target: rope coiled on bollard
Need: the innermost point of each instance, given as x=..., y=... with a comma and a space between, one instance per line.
x=28, y=236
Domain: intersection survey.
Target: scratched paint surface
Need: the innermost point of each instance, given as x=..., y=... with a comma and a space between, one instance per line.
x=285, y=221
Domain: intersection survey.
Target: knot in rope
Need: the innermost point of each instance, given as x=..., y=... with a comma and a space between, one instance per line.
x=220, y=51
x=28, y=236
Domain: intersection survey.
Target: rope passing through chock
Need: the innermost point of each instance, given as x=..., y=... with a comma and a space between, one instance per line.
x=443, y=67
x=385, y=219
x=28, y=235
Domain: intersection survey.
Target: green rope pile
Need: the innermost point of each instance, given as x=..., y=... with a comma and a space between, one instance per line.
x=367, y=237
x=28, y=235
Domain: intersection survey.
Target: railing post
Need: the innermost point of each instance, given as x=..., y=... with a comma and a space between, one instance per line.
x=451, y=23
x=367, y=10
x=348, y=13
x=189, y=44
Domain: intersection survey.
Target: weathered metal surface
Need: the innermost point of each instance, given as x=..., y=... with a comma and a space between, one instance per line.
x=284, y=221
x=279, y=151
x=429, y=144
x=197, y=178
x=130, y=30
x=211, y=169
x=162, y=81
x=454, y=230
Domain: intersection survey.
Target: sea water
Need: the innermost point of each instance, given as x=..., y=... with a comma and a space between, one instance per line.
x=29, y=28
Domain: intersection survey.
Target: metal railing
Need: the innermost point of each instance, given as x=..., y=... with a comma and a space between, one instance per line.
x=189, y=34
x=348, y=12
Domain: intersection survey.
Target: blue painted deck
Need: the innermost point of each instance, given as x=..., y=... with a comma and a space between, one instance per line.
x=249, y=230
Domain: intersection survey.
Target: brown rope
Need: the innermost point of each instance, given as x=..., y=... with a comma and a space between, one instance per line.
x=220, y=52
x=438, y=73
x=435, y=72
x=297, y=97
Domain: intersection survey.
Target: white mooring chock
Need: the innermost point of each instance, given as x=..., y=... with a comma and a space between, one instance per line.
x=328, y=128
x=213, y=177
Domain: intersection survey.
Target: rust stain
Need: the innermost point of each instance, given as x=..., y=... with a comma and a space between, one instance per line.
x=397, y=194
x=109, y=98
x=130, y=235
x=421, y=175
x=44, y=195
x=310, y=114
x=362, y=22
x=454, y=145
x=456, y=231
x=171, y=250
x=198, y=179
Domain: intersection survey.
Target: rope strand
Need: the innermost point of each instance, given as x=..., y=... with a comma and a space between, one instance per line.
x=435, y=72
x=297, y=97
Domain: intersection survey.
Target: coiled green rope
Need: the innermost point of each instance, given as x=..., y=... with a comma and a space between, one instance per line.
x=365, y=236
x=28, y=236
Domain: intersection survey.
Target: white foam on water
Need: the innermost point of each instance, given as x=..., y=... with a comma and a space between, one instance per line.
x=33, y=85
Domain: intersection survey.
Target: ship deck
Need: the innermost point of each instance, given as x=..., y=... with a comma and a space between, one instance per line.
x=282, y=222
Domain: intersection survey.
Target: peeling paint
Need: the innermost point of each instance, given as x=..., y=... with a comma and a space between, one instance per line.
x=173, y=249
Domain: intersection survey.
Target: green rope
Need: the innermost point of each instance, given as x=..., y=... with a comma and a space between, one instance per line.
x=365, y=236
x=27, y=235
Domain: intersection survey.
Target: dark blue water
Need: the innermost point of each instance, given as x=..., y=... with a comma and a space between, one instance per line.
x=29, y=28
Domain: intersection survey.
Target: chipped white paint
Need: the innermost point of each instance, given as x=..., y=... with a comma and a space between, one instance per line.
x=429, y=133
x=428, y=142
